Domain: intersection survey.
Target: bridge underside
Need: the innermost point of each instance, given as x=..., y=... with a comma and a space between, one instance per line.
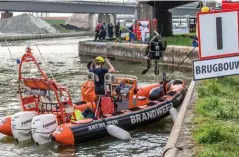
x=160, y=11
x=166, y=5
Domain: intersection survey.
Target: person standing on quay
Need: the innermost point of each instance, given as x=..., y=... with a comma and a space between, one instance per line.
x=110, y=30
x=117, y=32
x=97, y=31
x=103, y=32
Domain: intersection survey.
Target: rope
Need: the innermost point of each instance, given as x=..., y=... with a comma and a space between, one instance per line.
x=44, y=61
x=10, y=55
x=8, y=50
x=182, y=62
x=15, y=69
x=165, y=151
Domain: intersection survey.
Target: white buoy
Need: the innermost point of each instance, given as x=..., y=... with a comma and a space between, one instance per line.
x=173, y=112
x=117, y=132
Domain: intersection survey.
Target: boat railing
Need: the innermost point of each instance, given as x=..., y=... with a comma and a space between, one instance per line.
x=91, y=76
x=49, y=107
x=125, y=76
x=111, y=77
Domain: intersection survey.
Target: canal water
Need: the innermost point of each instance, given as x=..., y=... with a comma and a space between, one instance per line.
x=62, y=60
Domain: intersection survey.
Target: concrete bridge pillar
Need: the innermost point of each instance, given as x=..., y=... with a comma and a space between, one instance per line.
x=92, y=22
x=6, y=15
x=104, y=18
x=164, y=18
x=113, y=19
x=146, y=12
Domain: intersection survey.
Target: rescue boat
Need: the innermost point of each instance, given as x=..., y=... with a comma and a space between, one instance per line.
x=126, y=110
x=45, y=105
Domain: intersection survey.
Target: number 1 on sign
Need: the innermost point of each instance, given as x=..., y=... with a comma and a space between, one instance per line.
x=219, y=33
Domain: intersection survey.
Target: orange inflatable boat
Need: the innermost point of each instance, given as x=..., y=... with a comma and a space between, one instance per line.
x=46, y=105
x=125, y=109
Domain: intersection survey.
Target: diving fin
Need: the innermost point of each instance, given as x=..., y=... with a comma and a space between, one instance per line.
x=156, y=72
x=148, y=67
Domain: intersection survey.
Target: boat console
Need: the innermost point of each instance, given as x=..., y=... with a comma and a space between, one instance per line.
x=122, y=89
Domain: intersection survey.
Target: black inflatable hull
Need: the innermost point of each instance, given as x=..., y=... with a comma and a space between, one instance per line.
x=155, y=111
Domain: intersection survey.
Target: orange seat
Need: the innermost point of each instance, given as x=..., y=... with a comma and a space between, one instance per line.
x=107, y=106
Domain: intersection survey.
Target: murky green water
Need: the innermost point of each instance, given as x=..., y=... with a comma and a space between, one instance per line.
x=69, y=70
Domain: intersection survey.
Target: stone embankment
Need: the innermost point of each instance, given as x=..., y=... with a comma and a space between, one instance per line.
x=180, y=143
x=173, y=56
x=43, y=36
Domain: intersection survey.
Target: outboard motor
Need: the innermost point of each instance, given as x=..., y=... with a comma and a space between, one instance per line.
x=21, y=125
x=42, y=128
x=156, y=93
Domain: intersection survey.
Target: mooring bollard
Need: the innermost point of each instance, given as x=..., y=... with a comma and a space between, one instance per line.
x=173, y=112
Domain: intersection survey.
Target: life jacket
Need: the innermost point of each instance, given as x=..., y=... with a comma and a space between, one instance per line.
x=78, y=115
x=88, y=91
x=121, y=29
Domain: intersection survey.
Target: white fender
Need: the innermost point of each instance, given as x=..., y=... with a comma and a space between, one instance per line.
x=174, y=113
x=117, y=132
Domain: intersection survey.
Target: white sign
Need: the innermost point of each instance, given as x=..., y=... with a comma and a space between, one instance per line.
x=218, y=34
x=205, y=69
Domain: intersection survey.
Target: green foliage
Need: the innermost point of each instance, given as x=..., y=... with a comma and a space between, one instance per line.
x=61, y=29
x=216, y=121
x=55, y=22
x=179, y=40
x=219, y=150
x=185, y=35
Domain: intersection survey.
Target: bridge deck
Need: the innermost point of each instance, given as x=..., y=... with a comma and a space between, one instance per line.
x=59, y=7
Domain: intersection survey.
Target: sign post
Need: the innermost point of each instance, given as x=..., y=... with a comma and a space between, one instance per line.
x=218, y=36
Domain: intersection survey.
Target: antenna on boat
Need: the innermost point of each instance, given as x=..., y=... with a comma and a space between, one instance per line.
x=10, y=54
x=13, y=67
x=44, y=60
x=8, y=49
